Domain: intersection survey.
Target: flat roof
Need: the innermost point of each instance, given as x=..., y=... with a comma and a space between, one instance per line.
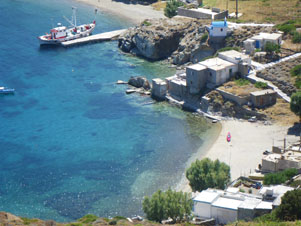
x=273, y=36
x=197, y=67
x=216, y=63
x=205, y=11
x=249, y=203
x=234, y=54
x=206, y=196
x=227, y=203
x=262, y=92
x=265, y=205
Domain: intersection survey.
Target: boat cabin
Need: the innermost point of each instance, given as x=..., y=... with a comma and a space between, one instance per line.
x=58, y=32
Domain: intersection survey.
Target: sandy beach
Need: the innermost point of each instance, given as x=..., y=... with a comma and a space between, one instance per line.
x=135, y=13
x=244, y=152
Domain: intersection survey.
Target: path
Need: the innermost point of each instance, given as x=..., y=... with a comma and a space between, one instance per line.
x=258, y=67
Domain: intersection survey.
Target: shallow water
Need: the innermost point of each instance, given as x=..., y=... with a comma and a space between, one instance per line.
x=72, y=142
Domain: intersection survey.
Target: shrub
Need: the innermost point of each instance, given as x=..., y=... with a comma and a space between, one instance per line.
x=146, y=23
x=286, y=28
x=271, y=47
x=295, y=104
x=296, y=71
x=88, y=218
x=162, y=205
x=296, y=37
x=242, y=190
x=208, y=174
x=204, y=37
x=290, y=207
x=261, y=85
x=242, y=82
x=279, y=177
x=28, y=221
x=172, y=7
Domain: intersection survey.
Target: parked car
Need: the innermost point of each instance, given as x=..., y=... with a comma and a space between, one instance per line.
x=253, y=119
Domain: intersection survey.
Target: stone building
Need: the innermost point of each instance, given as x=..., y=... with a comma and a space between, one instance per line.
x=263, y=98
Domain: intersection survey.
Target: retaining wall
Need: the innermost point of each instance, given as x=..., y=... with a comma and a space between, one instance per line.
x=229, y=96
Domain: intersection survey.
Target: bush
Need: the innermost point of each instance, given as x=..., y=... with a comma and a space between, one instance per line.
x=242, y=82
x=204, y=37
x=290, y=207
x=208, y=174
x=295, y=104
x=271, y=47
x=172, y=7
x=146, y=23
x=286, y=28
x=162, y=205
x=261, y=85
x=279, y=177
x=296, y=37
x=88, y=218
x=296, y=71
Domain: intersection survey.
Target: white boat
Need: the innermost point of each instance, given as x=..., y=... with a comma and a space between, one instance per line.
x=61, y=33
x=5, y=90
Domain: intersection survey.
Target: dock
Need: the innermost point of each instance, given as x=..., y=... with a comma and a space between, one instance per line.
x=106, y=36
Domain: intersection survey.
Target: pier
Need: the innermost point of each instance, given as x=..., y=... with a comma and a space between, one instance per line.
x=106, y=36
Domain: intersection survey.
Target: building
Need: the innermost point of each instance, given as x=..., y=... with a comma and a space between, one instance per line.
x=218, y=29
x=196, y=77
x=232, y=205
x=201, y=13
x=263, y=98
x=176, y=85
x=159, y=88
x=259, y=41
x=280, y=161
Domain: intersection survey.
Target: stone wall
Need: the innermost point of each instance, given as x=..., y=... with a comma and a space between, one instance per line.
x=200, y=15
x=229, y=96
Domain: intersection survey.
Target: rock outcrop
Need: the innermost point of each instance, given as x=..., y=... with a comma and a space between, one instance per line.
x=139, y=82
x=182, y=39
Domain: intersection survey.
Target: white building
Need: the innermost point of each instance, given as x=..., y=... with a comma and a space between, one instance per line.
x=259, y=41
x=218, y=29
x=231, y=205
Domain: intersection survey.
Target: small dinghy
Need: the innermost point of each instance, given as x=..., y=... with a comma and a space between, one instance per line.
x=229, y=137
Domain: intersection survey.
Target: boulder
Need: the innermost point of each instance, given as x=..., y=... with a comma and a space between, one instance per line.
x=139, y=82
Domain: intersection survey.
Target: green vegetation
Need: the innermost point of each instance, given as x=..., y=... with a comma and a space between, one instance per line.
x=146, y=23
x=286, y=28
x=271, y=48
x=296, y=37
x=295, y=104
x=204, y=37
x=261, y=85
x=242, y=82
x=242, y=190
x=296, y=71
x=162, y=205
x=295, y=183
x=172, y=7
x=28, y=221
x=229, y=48
x=89, y=218
x=279, y=177
x=208, y=174
x=290, y=207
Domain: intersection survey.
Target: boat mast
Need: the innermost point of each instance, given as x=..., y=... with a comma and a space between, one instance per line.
x=74, y=15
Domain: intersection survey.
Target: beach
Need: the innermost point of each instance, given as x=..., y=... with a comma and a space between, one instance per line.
x=135, y=13
x=244, y=152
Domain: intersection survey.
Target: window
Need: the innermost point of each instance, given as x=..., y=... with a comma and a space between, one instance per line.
x=191, y=82
x=221, y=29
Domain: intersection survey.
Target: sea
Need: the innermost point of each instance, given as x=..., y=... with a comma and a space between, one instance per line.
x=71, y=141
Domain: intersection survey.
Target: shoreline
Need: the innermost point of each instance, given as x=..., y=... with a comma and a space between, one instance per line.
x=244, y=152
x=134, y=13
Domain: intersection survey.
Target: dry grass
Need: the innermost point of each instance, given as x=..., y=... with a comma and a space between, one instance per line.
x=241, y=91
x=159, y=5
x=293, y=46
x=281, y=113
x=275, y=11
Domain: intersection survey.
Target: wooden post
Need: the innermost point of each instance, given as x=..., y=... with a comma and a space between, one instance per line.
x=236, y=9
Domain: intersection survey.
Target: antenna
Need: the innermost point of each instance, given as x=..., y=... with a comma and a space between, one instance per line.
x=74, y=15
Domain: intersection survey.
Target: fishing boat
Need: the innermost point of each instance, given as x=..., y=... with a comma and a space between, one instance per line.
x=5, y=90
x=228, y=137
x=61, y=33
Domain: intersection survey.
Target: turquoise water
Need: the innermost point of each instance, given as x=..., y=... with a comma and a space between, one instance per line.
x=71, y=141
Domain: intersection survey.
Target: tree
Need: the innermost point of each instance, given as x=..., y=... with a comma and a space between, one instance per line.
x=290, y=207
x=279, y=177
x=208, y=174
x=162, y=205
x=295, y=104
x=271, y=48
x=172, y=7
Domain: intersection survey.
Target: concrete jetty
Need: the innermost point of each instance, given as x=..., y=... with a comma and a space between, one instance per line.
x=106, y=36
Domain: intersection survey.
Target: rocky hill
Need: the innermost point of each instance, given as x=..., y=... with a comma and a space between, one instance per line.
x=181, y=39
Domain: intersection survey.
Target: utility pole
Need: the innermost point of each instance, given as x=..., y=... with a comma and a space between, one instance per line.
x=236, y=9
